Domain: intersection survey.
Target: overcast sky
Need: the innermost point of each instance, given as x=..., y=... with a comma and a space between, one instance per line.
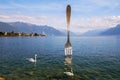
x=86, y=14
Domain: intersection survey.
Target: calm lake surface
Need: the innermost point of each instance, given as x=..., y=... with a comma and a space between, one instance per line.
x=94, y=58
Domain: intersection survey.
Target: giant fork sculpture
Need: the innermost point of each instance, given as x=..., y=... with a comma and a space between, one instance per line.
x=68, y=46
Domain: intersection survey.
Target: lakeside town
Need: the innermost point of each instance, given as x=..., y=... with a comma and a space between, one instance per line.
x=12, y=34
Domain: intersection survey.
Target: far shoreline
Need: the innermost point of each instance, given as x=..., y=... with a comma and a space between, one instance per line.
x=20, y=34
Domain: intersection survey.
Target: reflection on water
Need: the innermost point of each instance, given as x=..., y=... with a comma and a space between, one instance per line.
x=68, y=66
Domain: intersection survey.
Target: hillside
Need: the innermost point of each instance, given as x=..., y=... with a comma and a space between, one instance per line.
x=6, y=27
x=29, y=28
x=93, y=32
x=112, y=31
x=103, y=32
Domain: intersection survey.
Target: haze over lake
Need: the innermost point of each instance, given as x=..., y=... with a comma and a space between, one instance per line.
x=94, y=58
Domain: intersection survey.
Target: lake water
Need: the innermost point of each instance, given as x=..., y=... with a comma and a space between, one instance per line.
x=94, y=58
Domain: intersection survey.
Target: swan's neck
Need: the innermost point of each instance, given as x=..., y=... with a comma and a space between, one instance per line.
x=35, y=58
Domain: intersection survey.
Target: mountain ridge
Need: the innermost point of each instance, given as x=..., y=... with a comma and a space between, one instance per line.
x=103, y=32
x=112, y=31
x=29, y=28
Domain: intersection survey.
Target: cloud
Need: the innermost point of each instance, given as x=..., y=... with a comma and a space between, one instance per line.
x=42, y=18
x=92, y=8
x=107, y=3
x=24, y=18
x=85, y=24
x=77, y=24
x=4, y=17
x=98, y=22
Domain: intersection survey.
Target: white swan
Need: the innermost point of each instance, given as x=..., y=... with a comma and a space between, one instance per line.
x=69, y=73
x=32, y=60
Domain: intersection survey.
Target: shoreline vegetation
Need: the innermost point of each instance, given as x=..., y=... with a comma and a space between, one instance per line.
x=15, y=34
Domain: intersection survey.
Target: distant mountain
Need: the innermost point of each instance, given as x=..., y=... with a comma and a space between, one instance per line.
x=96, y=32
x=105, y=32
x=29, y=28
x=65, y=32
x=6, y=27
x=112, y=31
